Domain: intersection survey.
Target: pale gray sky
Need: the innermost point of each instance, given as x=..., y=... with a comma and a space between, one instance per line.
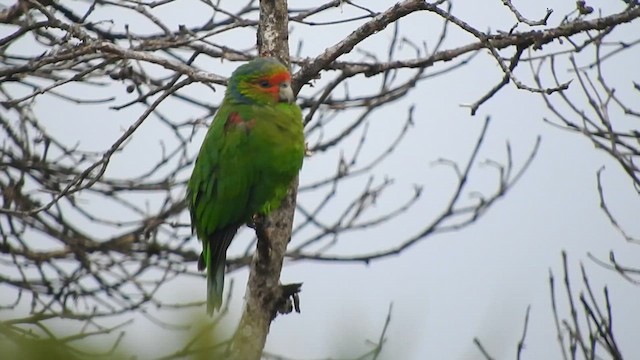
x=449, y=288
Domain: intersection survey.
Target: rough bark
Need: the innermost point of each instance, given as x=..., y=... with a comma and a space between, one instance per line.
x=265, y=295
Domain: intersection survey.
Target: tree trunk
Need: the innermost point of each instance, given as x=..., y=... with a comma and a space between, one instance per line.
x=264, y=295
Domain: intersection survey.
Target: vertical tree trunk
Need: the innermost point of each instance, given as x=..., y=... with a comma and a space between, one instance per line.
x=264, y=293
x=273, y=31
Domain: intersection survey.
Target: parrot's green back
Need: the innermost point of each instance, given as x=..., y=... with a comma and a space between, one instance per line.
x=251, y=153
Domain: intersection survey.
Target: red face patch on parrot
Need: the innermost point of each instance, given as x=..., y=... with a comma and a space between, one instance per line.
x=271, y=84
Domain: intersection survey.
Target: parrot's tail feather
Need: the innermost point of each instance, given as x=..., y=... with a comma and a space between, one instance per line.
x=215, y=288
x=202, y=264
x=217, y=245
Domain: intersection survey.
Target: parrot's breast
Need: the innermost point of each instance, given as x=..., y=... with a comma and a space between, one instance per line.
x=276, y=142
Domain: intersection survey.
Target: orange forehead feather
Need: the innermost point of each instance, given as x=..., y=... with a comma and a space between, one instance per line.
x=279, y=77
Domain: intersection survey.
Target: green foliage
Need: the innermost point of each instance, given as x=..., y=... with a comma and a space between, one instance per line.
x=200, y=341
x=203, y=339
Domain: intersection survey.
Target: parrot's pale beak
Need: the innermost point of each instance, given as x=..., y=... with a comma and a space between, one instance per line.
x=286, y=93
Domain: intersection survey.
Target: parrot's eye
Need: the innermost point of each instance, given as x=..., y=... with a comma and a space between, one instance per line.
x=264, y=83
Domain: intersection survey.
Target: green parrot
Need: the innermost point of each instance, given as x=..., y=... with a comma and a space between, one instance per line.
x=251, y=153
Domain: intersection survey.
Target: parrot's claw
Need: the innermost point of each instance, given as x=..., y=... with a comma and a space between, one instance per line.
x=255, y=221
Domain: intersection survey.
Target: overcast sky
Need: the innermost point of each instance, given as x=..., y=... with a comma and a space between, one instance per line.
x=453, y=287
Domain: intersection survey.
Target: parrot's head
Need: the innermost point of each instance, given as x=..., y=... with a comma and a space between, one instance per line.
x=262, y=81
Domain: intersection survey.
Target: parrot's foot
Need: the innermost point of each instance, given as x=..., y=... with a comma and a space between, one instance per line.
x=256, y=221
